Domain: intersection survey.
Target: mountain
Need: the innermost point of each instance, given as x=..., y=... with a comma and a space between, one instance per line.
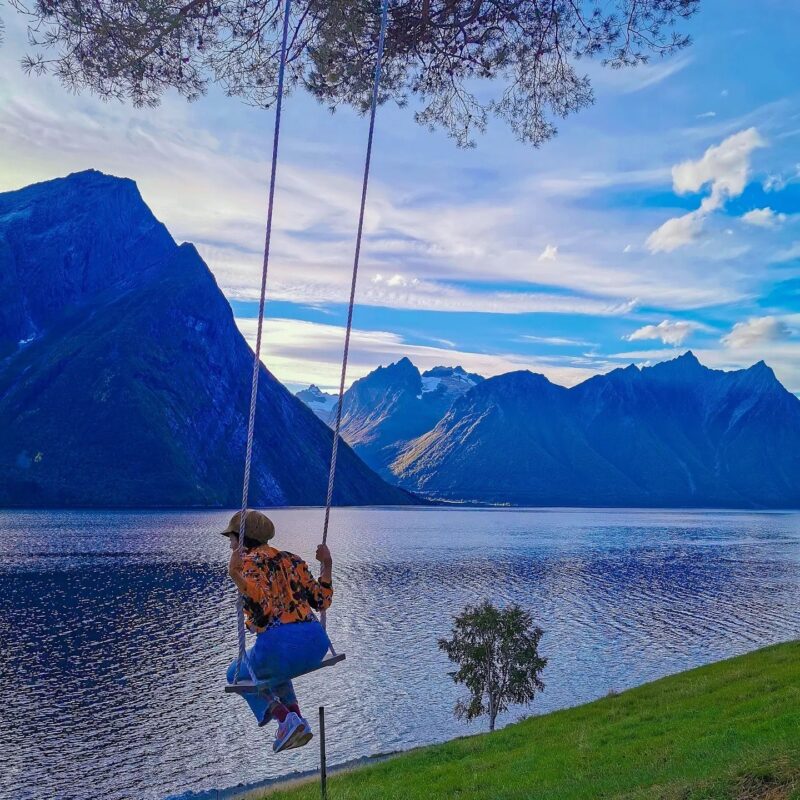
x=321, y=403
x=123, y=378
x=675, y=434
x=450, y=382
x=392, y=405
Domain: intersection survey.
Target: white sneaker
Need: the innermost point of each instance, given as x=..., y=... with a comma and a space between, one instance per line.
x=303, y=737
x=288, y=731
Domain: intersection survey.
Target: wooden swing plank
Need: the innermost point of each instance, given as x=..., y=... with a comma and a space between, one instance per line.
x=251, y=687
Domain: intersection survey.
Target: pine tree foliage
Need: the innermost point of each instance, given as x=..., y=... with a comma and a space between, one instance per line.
x=463, y=61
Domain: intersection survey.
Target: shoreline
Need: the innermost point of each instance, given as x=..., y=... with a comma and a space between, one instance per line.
x=256, y=790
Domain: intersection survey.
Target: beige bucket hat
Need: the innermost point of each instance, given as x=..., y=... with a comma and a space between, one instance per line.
x=257, y=526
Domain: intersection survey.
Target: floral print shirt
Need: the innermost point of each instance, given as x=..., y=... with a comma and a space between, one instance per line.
x=280, y=589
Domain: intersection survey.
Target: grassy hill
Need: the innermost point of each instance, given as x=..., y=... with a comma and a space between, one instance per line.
x=727, y=730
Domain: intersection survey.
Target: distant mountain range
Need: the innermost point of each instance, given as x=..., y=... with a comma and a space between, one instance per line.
x=385, y=410
x=124, y=382
x=123, y=378
x=674, y=435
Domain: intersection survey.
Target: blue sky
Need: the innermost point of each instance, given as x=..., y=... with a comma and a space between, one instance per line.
x=665, y=217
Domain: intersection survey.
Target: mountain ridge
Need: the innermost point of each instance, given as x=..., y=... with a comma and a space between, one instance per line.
x=672, y=434
x=123, y=379
x=675, y=433
x=393, y=404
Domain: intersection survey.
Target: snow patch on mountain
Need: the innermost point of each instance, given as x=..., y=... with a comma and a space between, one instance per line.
x=321, y=403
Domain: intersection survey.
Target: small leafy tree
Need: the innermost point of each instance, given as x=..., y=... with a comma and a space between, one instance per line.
x=497, y=652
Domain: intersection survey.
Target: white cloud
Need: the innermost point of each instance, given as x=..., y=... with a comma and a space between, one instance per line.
x=216, y=199
x=776, y=182
x=394, y=281
x=550, y=253
x=567, y=183
x=764, y=218
x=724, y=168
x=669, y=332
x=300, y=353
x=790, y=253
x=707, y=115
x=676, y=232
x=756, y=331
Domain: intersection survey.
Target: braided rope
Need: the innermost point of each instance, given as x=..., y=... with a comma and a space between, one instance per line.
x=242, y=657
x=251, y=420
x=364, y=186
x=356, y=258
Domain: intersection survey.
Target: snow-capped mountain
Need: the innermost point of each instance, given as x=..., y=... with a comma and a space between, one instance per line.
x=450, y=381
x=386, y=409
x=321, y=403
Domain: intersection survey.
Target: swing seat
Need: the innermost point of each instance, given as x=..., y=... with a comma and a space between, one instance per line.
x=256, y=687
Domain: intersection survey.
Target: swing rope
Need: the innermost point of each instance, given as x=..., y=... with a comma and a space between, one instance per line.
x=356, y=258
x=251, y=420
x=242, y=656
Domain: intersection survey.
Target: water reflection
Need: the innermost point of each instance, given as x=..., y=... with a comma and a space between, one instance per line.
x=115, y=628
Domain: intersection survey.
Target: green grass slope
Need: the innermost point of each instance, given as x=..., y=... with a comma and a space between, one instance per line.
x=727, y=730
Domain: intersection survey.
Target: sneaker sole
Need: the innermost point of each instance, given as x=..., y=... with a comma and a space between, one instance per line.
x=301, y=740
x=287, y=743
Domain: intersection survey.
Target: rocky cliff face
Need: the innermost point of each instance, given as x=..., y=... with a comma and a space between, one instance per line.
x=123, y=378
x=392, y=405
x=676, y=434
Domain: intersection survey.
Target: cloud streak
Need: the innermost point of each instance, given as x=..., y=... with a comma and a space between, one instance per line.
x=300, y=353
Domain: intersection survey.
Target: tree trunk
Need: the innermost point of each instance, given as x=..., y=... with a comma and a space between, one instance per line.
x=492, y=712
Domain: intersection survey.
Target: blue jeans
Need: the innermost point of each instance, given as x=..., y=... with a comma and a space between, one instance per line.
x=279, y=654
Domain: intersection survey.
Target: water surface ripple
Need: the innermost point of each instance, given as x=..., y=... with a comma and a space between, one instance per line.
x=116, y=628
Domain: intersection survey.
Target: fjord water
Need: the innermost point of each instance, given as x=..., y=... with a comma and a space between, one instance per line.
x=116, y=628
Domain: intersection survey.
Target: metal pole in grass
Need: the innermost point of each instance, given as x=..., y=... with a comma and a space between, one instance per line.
x=323, y=769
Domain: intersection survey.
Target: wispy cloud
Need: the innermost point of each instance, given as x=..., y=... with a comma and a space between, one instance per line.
x=550, y=253
x=299, y=353
x=790, y=253
x=568, y=183
x=558, y=341
x=644, y=76
x=777, y=182
x=211, y=190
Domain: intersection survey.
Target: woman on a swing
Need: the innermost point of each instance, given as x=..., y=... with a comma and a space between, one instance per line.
x=280, y=596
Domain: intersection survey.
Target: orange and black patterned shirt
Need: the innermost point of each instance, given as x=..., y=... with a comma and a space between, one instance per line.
x=280, y=589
